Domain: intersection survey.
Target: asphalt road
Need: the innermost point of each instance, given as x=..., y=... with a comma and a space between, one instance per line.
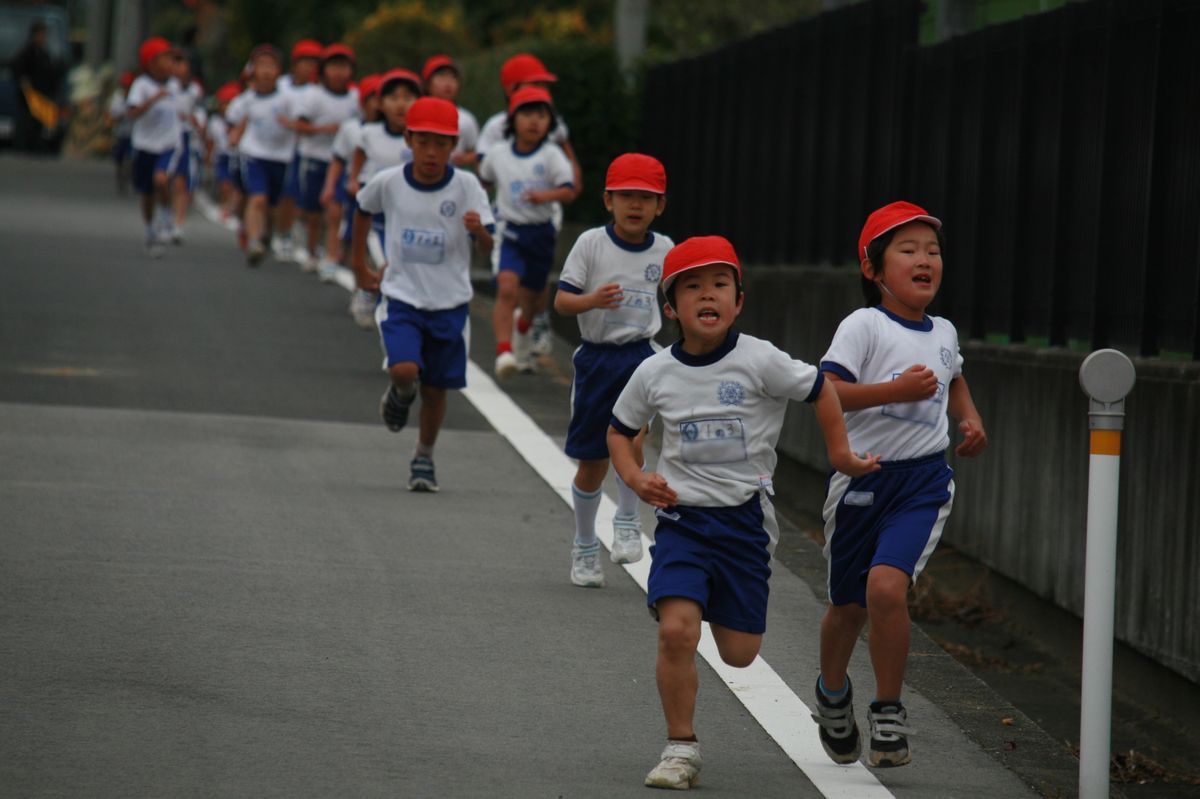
x=212, y=582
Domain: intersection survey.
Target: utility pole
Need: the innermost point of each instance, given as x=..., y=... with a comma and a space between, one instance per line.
x=630, y=34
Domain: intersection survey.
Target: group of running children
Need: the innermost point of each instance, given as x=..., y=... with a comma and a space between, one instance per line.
x=401, y=187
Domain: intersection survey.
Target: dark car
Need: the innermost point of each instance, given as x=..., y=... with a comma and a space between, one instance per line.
x=15, y=20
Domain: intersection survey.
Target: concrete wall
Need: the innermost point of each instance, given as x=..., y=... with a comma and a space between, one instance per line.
x=1021, y=507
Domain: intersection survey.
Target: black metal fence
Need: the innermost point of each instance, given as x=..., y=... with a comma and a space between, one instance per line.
x=1062, y=151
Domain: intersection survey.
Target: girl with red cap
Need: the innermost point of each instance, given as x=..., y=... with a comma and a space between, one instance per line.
x=721, y=396
x=156, y=138
x=305, y=61
x=531, y=176
x=897, y=371
x=609, y=282
x=443, y=79
x=221, y=156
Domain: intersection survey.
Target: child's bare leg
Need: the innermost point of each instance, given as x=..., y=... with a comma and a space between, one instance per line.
x=675, y=670
x=333, y=243
x=528, y=300
x=404, y=376
x=506, y=302
x=887, y=605
x=256, y=216
x=840, y=629
x=433, y=413
x=180, y=199
x=737, y=648
x=312, y=220
x=590, y=475
x=148, y=208
x=162, y=190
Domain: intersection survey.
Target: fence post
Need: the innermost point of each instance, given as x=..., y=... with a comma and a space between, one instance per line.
x=1106, y=377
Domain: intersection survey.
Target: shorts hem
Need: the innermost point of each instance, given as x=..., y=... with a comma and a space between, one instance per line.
x=895, y=563
x=741, y=625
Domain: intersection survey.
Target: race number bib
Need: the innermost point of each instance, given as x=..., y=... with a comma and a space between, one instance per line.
x=636, y=310
x=712, y=441
x=423, y=246
x=927, y=411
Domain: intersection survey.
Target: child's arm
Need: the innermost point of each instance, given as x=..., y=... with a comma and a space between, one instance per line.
x=332, y=176
x=474, y=225
x=916, y=383
x=607, y=296
x=563, y=194
x=356, y=164
x=364, y=277
x=138, y=110
x=829, y=416
x=970, y=424
x=651, y=487
x=235, y=135
x=306, y=128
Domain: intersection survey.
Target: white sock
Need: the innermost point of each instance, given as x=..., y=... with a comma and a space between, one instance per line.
x=627, y=500
x=586, y=505
x=423, y=451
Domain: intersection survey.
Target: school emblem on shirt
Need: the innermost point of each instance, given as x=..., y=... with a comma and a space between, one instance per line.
x=653, y=273
x=731, y=392
x=448, y=208
x=539, y=169
x=690, y=431
x=946, y=356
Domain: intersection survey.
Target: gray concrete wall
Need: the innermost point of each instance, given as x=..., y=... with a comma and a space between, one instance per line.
x=1021, y=507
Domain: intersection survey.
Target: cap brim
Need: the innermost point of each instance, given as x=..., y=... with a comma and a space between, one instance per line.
x=539, y=77
x=667, y=281
x=432, y=129
x=633, y=185
x=931, y=220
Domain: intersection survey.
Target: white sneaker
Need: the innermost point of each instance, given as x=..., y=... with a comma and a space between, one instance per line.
x=627, y=540
x=327, y=271
x=154, y=247
x=679, y=768
x=520, y=344
x=543, y=341
x=176, y=234
x=362, y=308
x=281, y=248
x=305, y=260
x=255, y=252
x=585, y=566
x=506, y=365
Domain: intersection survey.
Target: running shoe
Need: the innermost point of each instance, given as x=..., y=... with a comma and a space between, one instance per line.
x=327, y=270
x=154, y=247
x=421, y=477
x=362, y=308
x=176, y=234
x=506, y=365
x=281, y=248
x=839, y=730
x=586, y=571
x=679, y=767
x=393, y=408
x=889, y=735
x=255, y=252
x=627, y=540
x=521, y=350
x=543, y=341
x=305, y=260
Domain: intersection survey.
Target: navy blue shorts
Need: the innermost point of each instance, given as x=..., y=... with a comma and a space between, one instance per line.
x=601, y=372
x=717, y=557
x=436, y=341
x=312, y=181
x=291, y=180
x=528, y=250
x=893, y=517
x=146, y=165
x=261, y=176
x=221, y=171
x=122, y=149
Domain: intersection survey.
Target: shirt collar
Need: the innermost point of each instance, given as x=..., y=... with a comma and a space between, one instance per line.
x=708, y=359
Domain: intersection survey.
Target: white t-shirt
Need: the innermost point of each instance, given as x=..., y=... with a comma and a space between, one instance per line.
x=383, y=149
x=428, y=247
x=122, y=124
x=493, y=132
x=873, y=345
x=598, y=258
x=468, y=132
x=218, y=133
x=157, y=130
x=264, y=137
x=187, y=100
x=513, y=174
x=721, y=415
x=346, y=139
x=322, y=107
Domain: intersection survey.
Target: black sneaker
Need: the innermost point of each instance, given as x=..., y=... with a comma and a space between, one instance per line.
x=393, y=409
x=889, y=735
x=422, y=477
x=839, y=731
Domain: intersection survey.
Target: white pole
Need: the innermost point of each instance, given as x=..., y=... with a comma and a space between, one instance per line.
x=1107, y=377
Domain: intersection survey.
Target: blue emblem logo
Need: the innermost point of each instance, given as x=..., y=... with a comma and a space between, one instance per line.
x=653, y=273
x=690, y=431
x=539, y=169
x=731, y=392
x=946, y=357
x=448, y=208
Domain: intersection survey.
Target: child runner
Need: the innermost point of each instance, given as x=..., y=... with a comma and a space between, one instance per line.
x=156, y=137
x=265, y=145
x=609, y=281
x=188, y=96
x=336, y=199
x=122, y=130
x=721, y=396
x=897, y=372
x=221, y=156
x=304, y=62
x=443, y=79
x=320, y=112
x=433, y=214
x=530, y=175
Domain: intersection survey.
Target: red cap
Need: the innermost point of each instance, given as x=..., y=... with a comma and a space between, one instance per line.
x=306, y=48
x=890, y=216
x=408, y=76
x=432, y=115
x=127, y=79
x=228, y=91
x=524, y=68
x=151, y=49
x=267, y=50
x=436, y=62
x=527, y=95
x=696, y=252
x=367, y=86
x=338, y=50
x=636, y=172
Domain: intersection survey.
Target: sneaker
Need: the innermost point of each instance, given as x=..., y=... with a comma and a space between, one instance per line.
x=176, y=234
x=543, y=341
x=586, y=571
x=255, y=252
x=839, y=730
x=393, y=409
x=154, y=247
x=889, y=735
x=679, y=768
x=422, y=478
x=627, y=540
x=506, y=365
x=327, y=271
x=281, y=248
x=521, y=350
x=362, y=308
x=305, y=260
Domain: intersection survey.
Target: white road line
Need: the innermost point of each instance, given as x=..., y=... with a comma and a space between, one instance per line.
x=768, y=698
